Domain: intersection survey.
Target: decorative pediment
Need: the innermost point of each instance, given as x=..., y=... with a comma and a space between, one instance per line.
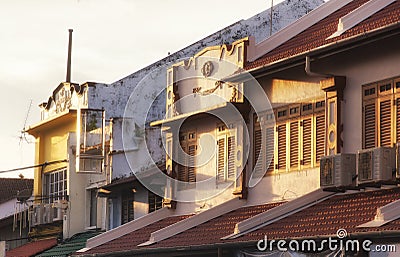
x=64, y=97
x=200, y=81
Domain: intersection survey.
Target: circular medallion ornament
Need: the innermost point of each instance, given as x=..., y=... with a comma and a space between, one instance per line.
x=207, y=69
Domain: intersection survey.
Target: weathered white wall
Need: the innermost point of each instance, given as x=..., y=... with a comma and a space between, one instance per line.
x=257, y=26
x=114, y=97
x=77, y=215
x=135, y=149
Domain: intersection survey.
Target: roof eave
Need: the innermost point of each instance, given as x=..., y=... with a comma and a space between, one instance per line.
x=328, y=49
x=252, y=243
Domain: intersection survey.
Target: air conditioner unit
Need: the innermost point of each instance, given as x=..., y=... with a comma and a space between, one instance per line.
x=58, y=207
x=337, y=170
x=57, y=214
x=48, y=213
x=36, y=217
x=376, y=164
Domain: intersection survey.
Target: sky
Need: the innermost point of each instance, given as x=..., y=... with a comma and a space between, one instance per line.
x=111, y=39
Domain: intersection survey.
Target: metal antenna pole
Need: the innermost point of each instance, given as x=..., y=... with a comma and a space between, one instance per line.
x=68, y=79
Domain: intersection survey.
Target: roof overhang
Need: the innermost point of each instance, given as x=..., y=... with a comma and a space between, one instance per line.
x=184, y=116
x=322, y=51
x=57, y=120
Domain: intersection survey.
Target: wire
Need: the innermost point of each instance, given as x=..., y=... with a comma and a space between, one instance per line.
x=35, y=166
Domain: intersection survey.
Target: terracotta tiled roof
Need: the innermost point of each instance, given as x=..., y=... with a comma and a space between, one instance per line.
x=342, y=211
x=131, y=240
x=212, y=231
x=316, y=36
x=206, y=233
x=32, y=248
x=10, y=186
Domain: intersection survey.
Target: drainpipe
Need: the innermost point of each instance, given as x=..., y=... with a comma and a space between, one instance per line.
x=313, y=74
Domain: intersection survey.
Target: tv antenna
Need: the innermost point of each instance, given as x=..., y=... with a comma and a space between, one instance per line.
x=23, y=136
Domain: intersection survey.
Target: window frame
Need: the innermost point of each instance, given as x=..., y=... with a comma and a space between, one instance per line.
x=127, y=199
x=157, y=202
x=189, y=140
x=309, y=111
x=51, y=182
x=225, y=134
x=392, y=95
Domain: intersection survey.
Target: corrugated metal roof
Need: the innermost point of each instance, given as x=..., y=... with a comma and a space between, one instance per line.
x=71, y=245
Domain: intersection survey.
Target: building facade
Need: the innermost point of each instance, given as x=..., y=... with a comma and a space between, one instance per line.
x=303, y=129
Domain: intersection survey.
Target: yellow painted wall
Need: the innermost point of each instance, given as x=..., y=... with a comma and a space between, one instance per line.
x=51, y=145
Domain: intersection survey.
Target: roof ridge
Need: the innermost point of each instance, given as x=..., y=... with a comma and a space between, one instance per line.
x=258, y=50
x=359, y=14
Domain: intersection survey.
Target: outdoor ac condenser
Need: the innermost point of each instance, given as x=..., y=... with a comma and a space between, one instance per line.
x=376, y=164
x=337, y=170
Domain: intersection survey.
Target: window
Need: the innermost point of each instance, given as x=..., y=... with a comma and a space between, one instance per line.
x=307, y=141
x=281, y=130
x=90, y=141
x=93, y=208
x=298, y=138
x=225, y=154
x=155, y=202
x=319, y=136
x=294, y=144
x=381, y=115
x=127, y=207
x=187, y=169
x=263, y=146
x=55, y=186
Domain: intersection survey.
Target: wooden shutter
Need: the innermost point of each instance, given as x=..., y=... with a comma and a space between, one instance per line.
x=307, y=141
x=231, y=157
x=221, y=159
x=127, y=208
x=182, y=169
x=319, y=137
x=282, y=146
x=294, y=144
x=155, y=201
x=369, y=125
x=191, y=169
x=269, y=148
x=257, y=164
x=385, y=123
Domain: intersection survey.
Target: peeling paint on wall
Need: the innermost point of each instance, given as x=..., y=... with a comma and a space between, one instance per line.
x=114, y=97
